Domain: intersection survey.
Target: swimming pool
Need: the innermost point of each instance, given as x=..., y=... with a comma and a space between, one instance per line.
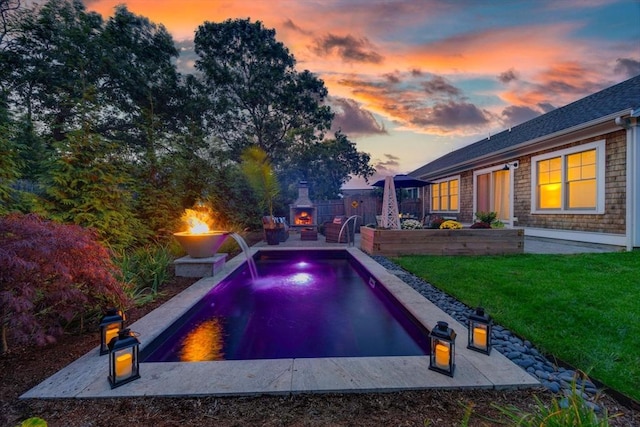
x=304, y=304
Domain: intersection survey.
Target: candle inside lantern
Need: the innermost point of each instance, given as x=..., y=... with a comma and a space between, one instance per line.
x=111, y=333
x=480, y=337
x=442, y=356
x=123, y=366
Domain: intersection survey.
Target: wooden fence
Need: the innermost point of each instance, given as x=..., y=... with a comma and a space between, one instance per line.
x=367, y=207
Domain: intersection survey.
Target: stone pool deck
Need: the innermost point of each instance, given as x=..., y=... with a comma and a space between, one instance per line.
x=87, y=376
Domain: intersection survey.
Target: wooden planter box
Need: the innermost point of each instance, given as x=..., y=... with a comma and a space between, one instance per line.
x=467, y=241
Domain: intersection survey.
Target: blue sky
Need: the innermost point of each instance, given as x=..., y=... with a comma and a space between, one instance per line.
x=413, y=80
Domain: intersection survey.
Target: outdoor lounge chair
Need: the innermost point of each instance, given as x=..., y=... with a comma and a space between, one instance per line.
x=332, y=230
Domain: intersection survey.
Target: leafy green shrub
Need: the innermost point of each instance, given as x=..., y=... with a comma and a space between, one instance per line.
x=144, y=270
x=87, y=187
x=50, y=274
x=497, y=224
x=487, y=217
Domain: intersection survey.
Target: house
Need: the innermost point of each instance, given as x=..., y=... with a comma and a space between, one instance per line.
x=569, y=174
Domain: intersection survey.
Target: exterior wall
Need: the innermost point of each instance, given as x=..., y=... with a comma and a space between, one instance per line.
x=466, y=214
x=613, y=220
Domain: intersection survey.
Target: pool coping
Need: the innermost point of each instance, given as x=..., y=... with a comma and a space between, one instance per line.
x=86, y=377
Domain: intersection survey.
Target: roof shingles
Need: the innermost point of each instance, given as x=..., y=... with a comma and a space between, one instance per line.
x=614, y=99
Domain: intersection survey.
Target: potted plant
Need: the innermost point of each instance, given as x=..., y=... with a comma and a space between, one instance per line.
x=484, y=219
x=256, y=167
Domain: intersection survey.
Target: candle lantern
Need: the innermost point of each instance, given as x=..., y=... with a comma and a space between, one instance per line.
x=480, y=325
x=443, y=349
x=124, y=365
x=110, y=324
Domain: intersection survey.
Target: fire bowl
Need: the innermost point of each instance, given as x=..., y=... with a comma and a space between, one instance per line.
x=201, y=245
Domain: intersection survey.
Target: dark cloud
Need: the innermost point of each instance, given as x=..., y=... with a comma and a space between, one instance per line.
x=546, y=107
x=562, y=83
x=391, y=161
x=514, y=115
x=392, y=77
x=627, y=66
x=385, y=167
x=452, y=115
x=508, y=76
x=290, y=25
x=416, y=72
x=434, y=105
x=439, y=86
x=349, y=48
x=353, y=120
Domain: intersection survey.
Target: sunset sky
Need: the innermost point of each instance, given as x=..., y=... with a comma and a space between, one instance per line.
x=413, y=80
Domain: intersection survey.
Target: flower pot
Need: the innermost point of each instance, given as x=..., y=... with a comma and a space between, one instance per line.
x=272, y=236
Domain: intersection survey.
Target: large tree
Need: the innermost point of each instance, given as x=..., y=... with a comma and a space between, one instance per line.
x=328, y=165
x=143, y=87
x=259, y=99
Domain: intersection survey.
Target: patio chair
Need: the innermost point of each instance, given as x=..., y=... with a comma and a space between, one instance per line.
x=332, y=230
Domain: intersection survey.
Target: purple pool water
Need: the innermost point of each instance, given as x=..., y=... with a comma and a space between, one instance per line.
x=304, y=304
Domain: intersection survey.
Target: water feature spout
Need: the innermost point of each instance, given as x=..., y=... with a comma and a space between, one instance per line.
x=245, y=248
x=205, y=245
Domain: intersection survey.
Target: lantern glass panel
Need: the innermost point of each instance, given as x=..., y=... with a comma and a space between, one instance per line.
x=110, y=325
x=442, y=359
x=480, y=326
x=123, y=359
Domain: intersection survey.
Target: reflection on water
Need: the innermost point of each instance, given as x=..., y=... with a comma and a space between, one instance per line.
x=203, y=343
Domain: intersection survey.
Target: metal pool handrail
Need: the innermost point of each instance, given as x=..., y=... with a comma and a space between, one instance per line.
x=346, y=224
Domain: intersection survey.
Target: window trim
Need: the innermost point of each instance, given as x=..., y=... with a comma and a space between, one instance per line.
x=600, y=147
x=438, y=182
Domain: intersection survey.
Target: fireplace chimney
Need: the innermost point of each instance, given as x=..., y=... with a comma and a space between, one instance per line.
x=303, y=199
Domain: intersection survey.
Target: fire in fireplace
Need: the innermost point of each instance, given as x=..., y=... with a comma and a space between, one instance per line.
x=302, y=211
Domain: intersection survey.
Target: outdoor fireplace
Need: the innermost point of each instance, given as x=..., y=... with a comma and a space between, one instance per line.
x=302, y=212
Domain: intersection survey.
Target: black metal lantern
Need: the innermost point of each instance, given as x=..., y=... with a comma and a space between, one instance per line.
x=443, y=349
x=480, y=326
x=110, y=324
x=124, y=365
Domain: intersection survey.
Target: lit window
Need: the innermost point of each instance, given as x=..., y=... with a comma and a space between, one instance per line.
x=550, y=183
x=445, y=195
x=581, y=180
x=570, y=180
x=435, y=197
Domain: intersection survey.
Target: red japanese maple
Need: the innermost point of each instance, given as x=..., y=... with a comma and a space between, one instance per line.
x=50, y=273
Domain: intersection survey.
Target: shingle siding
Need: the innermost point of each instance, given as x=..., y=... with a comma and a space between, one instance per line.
x=612, y=221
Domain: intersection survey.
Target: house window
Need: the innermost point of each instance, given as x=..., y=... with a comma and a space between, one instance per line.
x=570, y=180
x=445, y=195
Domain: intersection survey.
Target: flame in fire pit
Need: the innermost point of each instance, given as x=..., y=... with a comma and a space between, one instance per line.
x=197, y=221
x=199, y=241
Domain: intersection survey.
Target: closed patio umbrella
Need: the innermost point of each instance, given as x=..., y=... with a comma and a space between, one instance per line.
x=390, y=218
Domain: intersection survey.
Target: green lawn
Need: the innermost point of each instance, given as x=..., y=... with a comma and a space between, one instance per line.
x=583, y=309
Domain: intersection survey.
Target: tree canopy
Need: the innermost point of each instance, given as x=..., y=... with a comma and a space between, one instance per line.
x=97, y=119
